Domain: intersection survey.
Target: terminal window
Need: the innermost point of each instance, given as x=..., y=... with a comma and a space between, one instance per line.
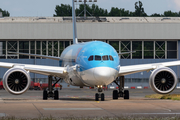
x=171, y=49
x=137, y=46
x=125, y=47
x=160, y=49
x=147, y=49
x=23, y=48
x=115, y=44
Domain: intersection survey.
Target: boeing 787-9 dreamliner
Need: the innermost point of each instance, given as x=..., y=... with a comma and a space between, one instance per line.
x=91, y=64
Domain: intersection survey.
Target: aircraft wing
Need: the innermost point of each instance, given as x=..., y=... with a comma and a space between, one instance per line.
x=35, y=55
x=126, y=70
x=40, y=69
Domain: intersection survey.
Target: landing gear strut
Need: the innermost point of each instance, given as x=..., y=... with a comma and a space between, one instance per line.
x=99, y=94
x=50, y=92
x=121, y=92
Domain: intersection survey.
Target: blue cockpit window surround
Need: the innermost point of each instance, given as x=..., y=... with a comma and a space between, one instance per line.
x=105, y=58
x=111, y=58
x=97, y=57
x=91, y=58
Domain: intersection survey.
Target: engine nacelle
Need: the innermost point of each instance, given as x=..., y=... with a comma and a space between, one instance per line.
x=163, y=80
x=16, y=81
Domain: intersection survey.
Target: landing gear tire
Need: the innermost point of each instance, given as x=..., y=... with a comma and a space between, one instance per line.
x=45, y=95
x=126, y=94
x=97, y=97
x=56, y=95
x=102, y=97
x=121, y=92
x=115, y=94
x=50, y=91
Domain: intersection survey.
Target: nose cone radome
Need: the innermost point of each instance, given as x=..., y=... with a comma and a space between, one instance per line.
x=99, y=75
x=102, y=73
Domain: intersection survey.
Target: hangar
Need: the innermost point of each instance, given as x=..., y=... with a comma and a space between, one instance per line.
x=155, y=39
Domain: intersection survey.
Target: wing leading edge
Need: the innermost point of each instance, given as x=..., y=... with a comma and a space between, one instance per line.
x=39, y=69
x=126, y=70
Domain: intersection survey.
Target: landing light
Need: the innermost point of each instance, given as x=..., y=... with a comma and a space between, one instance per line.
x=64, y=71
x=99, y=86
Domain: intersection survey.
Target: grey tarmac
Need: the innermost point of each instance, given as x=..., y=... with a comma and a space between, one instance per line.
x=80, y=103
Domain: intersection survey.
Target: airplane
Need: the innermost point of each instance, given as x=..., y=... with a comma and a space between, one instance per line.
x=91, y=64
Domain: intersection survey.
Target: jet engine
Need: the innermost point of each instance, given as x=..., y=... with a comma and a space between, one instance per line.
x=163, y=80
x=16, y=81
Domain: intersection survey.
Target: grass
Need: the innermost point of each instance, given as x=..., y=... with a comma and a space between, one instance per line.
x=167, y=96
x=106, y=118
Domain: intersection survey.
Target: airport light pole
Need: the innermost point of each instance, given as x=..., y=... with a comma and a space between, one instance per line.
x=85, y=3
x=84, y=9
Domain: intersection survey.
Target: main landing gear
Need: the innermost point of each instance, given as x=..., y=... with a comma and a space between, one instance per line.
x=121, y=92
x=99, y=94
x=50, y=92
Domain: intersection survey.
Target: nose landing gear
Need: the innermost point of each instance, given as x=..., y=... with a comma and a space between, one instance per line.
x=121, y=92
x=99, y=95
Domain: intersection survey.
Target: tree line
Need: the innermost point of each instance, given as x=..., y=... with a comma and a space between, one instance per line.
x=5, y=13
x=95, y=10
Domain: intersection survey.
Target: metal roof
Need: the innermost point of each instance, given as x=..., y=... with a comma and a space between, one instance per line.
x=93, y=19
x=93, y=29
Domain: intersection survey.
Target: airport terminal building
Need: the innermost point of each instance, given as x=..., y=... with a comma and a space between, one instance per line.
x=155, y=39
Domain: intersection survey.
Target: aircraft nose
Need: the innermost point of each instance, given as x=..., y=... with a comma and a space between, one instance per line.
x=102, y=73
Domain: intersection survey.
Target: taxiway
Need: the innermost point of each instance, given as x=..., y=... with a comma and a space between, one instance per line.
x=80, y=103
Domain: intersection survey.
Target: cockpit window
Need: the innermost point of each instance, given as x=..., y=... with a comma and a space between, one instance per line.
x=97, y=57
x=111, y=58
x=91, y=58
x=105, y=57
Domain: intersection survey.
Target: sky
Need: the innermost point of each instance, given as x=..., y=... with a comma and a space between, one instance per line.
x=45, y=8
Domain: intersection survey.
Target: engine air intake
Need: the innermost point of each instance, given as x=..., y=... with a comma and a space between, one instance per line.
x=163, y=80
x=17, y=81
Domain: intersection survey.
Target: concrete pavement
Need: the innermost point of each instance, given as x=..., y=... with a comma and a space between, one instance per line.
x=80, y=103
